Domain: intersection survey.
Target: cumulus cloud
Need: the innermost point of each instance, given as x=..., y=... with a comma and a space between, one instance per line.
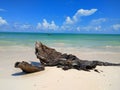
x=3, y=21
x=45, y=25
x=53, y=26
x=82, y=12
x=68, y=20
x=39, y=26
x=73, y=22
x=116, y=26
x=78, y=14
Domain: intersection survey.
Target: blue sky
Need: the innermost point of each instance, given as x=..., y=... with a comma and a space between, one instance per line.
x=60, y=16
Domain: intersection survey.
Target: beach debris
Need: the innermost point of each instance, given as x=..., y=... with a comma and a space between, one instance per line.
x=50, y=57
x=28, y=68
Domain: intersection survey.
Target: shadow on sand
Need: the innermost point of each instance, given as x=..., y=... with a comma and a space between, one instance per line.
x=18, y=74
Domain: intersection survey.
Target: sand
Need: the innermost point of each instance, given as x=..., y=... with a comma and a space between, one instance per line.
x=55, y=78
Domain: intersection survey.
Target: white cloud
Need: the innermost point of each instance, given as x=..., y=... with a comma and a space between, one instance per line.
x=68, y=20
x=82, y=12
x=95, y=25
x=116, y=26
x=3, y=21
x=78, y=14
x=98, y=21
x=47, y=26
x=67, y=27
x=91, y=28
x=53, y=26
x=70, y=24
x=19, y=26
x=39, y=26
x=98, y=28
x=73, y=22
x=25, y=26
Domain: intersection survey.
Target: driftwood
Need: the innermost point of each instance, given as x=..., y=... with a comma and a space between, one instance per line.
x=50, y=57
x=28, y=68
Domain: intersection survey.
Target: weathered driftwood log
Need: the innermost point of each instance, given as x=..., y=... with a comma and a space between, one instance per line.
x=28, y=68
x=50, y=57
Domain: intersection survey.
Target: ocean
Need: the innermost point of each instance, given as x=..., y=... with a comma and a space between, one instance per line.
x=85, y=42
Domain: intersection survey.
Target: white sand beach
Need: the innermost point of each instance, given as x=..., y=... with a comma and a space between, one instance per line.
x=53, y=78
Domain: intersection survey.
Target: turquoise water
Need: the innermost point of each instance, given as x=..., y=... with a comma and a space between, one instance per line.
x=96, y=41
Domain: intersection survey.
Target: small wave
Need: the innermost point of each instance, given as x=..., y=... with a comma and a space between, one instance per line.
x=59, y=44
x=108, y=46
